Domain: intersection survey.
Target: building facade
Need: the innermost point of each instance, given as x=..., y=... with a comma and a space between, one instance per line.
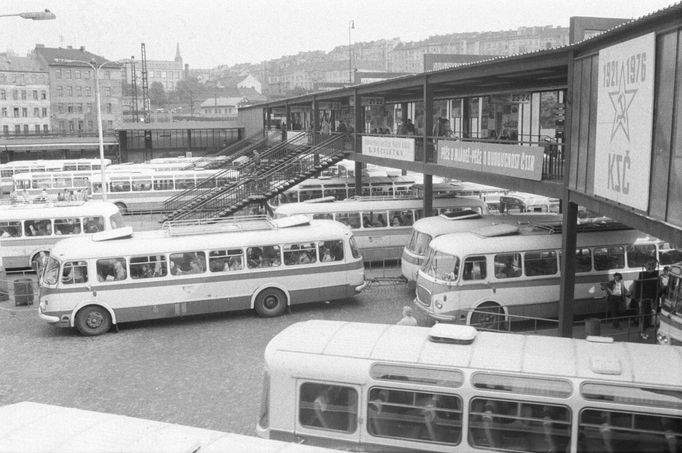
x=72, y=80
x=24, y=96
x=167, y=72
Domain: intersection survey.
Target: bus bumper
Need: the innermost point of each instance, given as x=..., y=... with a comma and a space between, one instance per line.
x=452, y=317
x=62, y=320
x=359, y=288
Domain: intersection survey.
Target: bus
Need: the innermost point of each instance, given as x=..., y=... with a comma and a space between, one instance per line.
x=148, y=190
x=502, y=271
x=195, y=267
x=670, y=317
x=519, y=202
x=342, y=188
x=450, y=388
x=381, y=226
x=30, y=427
x=27, y=230
x=9, y=169
x=424, y=230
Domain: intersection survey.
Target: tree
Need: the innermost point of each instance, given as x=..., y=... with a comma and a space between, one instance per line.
x=186, y=92
x=157, y=95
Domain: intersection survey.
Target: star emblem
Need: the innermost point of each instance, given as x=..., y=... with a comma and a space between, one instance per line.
x=621, y=100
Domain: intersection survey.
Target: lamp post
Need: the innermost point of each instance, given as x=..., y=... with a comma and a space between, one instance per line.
x=38, y=15
x=351, y=26
x=96, y=68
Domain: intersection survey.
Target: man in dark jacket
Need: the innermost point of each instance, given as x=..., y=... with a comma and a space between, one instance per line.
x=645, y=291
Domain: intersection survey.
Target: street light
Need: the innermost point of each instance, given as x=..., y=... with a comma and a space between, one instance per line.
x=38, y=15
x=351, y=26
x=96, y=68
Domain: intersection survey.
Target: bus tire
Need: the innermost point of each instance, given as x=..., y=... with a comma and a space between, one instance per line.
x=488, y=316
x=270, y=302
x=93, y=320
x=123, y=209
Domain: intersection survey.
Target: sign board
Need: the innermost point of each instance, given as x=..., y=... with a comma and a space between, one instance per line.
x=372, y=100
x=625, y=97
x=509, y=160
x=521, y=98
x=389, y=147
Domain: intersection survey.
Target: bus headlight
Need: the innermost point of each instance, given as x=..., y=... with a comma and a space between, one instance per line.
x=662, y=339
x=438, y=304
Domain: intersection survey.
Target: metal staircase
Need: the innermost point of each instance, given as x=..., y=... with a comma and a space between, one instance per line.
x=281, y=167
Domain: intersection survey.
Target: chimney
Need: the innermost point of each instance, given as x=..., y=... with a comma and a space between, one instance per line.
x=82, y=48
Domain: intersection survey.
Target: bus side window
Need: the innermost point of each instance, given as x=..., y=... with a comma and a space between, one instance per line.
x=475, y=268
x=508, y=265
x=112, y=269
x=583, y=260
x=94, y=224
x=75, y=272
x=540, y=263
x=11, y=229
x=148, y=266
x=67, y=226
x=606, y=258
x=330, y=407
x=351, y=219
x=605, y=430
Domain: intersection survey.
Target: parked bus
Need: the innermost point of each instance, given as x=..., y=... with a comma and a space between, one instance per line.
x=519, y=202
x=9, y=169
x=148, y=190
x=670, y=317
x=198, y=267
x=26, y=230
x=424, y=230
x=381, y=226
x=450, y=388
x=342, y=188
x=30, y=427
x=483, y=277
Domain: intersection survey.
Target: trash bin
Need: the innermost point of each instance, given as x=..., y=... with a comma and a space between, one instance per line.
x=23, y=291
x=592, y=327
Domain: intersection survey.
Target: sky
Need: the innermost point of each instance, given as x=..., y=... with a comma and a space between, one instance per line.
x=227, y=32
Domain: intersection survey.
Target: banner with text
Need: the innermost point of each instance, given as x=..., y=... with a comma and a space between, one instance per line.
x=625, y=96
x=509, y=160
x=389, y=147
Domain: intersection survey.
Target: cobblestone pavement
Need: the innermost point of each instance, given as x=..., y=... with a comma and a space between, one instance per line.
x=203, y=371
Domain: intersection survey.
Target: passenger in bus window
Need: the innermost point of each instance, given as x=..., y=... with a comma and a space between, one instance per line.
x=119, y=269
x=235, y=263
x=376, y=421
x=5, y=234
x=396, y=221
x=325, y=255
x=255, y=257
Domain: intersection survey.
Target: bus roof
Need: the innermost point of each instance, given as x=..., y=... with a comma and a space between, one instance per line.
x=369, y=204
x=371, y=180
x=528, y=198
x=491, y=351
x=436, y=226
x=159, y=241
x=465, y=244
x=34, y=427
x=57, y=209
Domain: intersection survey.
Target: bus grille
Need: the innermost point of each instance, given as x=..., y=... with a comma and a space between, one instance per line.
x=423, y=296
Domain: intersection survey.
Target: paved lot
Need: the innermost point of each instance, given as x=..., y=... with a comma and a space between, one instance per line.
x=202, y=371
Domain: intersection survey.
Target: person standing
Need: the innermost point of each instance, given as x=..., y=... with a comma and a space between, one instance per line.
x=342, y=127
x=408, y=317
x=615, y=297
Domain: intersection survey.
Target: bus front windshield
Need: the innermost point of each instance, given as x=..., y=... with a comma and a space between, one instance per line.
x=441, y=266
x=51, y=273
x=418, y=242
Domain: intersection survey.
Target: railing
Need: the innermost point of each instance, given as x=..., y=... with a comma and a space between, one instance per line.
x=233, y=151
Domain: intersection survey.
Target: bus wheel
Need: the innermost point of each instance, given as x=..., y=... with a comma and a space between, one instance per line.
x=488, y=316
x=270, y=302
x=122, y=208
x=93, y=320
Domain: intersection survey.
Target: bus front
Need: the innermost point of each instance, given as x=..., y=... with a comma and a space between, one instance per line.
x=413, y=255
x=670, y=328
x=438, y=295
x=50, y=303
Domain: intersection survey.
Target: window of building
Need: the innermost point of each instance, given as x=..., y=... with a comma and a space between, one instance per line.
x=76, y=74
x=107, y=91
x=44, y=112
x=60, y=108
x=60, y=91
x=36, y=112
x=87, y=92
x=79, y=91
x=108, y=109
x=24, y=112
x=58, y=73
x=45, y=129
x=67, y=74
x=69, y=91
x=4, y=112
x=80, y=125
x=90, y=125
x=35, y=94
x=69, y=108
x=62, y=125
x=110, y=124
x=107, y=75
x=23, y=95
x=5, y=130
x=79, y=108
x=3, y=94
x=17, y=129
x=86, y=74
x=37, y=128
x=15, y=95
x=43, y=94
x=72, y=126
x=26, y=129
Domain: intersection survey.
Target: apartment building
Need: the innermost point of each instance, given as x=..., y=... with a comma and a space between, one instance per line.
x=24, y=96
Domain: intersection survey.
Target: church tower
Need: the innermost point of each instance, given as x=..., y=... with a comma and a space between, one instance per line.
x=178, y=58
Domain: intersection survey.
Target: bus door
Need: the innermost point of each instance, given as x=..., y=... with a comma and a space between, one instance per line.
x=328, y=413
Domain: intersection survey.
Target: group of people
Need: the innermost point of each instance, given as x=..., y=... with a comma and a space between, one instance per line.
x=645, y=295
